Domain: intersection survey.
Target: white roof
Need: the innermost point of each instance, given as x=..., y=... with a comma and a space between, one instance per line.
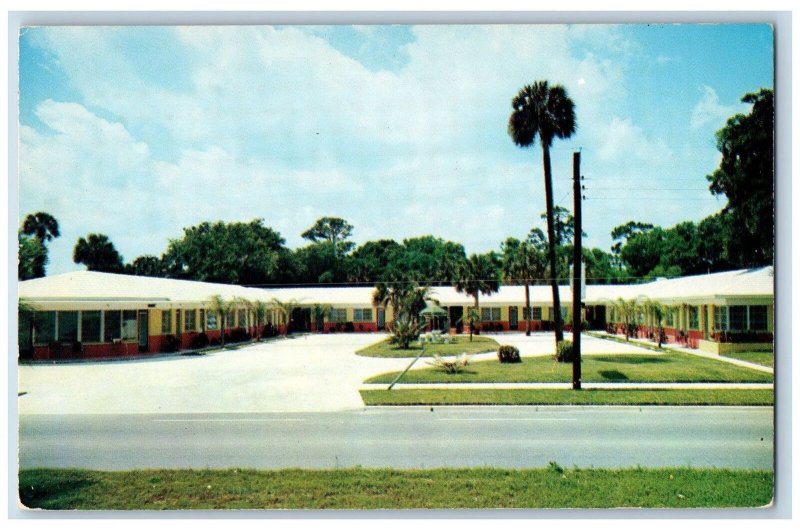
x=87, y=288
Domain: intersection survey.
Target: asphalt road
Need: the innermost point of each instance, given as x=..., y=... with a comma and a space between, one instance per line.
x=406, y=437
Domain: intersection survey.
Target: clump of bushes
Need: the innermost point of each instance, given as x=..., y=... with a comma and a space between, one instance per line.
x=170, y=344
x=451, y=366
x=199, y=341
x=564, y=352
x=508, y=354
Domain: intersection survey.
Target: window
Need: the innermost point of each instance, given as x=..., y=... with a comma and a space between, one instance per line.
x=563, y=313
x=669, y=313
x=737, y=317
x=68, y=326
x=242, y=318
x=338, y=315
x=758, y=318
x=211, y=320
x=129, y=325
x=90, y=326
x=112, y=325
x=536, y=313
x=166, y=322
x=694, y=317
x=190, y=322
x=721, y=318
x=230, y=319
x=362, y=315
x=44, y=327
x=203, y=319
x=490, y=314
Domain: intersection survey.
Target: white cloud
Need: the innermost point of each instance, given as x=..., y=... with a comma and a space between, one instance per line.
x=709, y=111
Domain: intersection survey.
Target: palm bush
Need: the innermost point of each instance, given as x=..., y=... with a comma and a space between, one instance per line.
x=404, y=332
x=451, y=366
x=508, y=354
x=565, y=352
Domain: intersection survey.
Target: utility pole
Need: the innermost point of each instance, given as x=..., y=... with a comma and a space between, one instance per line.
x=576, y=274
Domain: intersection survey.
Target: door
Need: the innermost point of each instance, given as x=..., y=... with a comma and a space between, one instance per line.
x=457, y=318
x=381, y=318
x=143, y=327
x=513, y=321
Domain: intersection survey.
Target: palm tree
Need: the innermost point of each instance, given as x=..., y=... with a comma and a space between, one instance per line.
x=522, y=261
x=97, y=252
x=44, y=228
x=480, y=274
x=319, y=312
x=259, y=312
x=285, y=309
x=546, y=111
x=218, y=305
x=627, y=311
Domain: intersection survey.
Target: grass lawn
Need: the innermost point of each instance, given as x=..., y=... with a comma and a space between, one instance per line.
x=358, y=488
x=461, y=344
x=764, y=358
x=667, y=367
x=481, y=396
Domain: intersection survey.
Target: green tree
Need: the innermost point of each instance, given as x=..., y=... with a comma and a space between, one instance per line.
x=285, y=309
x=522, y=262
x=479, y=275
x=368, y=262
x=235, y=253
x=32, y=257
x=332, y=232
x=746, y=177
x=146, y=266
x=221, y=307
x=44, y=228
x=97, y=252
x=547, y=112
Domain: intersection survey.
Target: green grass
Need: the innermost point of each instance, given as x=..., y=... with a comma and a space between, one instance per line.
x=462, y=344
x=764, y=358
x=664, y=368
x=358, y=488
x=481, y=396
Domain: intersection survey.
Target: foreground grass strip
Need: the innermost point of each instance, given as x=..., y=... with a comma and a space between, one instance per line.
x=358, y=488
x=462, y=344
x=666, y=368
x=567, y=397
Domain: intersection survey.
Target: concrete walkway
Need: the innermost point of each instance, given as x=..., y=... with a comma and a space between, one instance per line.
x=698, y=353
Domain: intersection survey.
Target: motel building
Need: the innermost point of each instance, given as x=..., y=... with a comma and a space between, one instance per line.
x=93, y=315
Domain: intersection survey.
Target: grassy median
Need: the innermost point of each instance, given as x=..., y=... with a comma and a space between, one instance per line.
x=663, y=368
x=553, y=487
x=479, y=396
x=461, y=344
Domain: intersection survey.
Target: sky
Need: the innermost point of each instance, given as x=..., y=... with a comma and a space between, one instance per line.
x=138, y=132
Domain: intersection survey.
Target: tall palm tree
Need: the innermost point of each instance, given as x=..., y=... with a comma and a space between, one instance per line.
x=44, y=228
x=544, y=111
x=286, y=309
x=480, y=274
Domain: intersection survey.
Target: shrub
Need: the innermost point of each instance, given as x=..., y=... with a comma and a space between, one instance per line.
x=169, y=344
x=564, y=352
x=404, y=331
x=237, y=335
x=269, y=331
x=199, y=341
x=451, y=366
x=508, y=354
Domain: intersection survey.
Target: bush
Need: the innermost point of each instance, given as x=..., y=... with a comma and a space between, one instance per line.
x=508, y=354
x=170, y=344
x=199, y=341
x=237, y=335
x=269, y=331
x=564, y=352
x=451, y=366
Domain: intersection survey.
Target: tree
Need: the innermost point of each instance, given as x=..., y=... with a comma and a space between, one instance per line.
x=627, y=310
x=368, y=262
x=547, y=112
x=218, y=305
x=97, y=252
x=522, y=262
x=479, y=275
x=146, y=266
x=746, y=177
x=285, y=309
x=32, y=257
x=332, y=231
x=44, y=228
x=237, y=253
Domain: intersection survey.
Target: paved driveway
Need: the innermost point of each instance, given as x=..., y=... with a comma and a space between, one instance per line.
x=302, y=373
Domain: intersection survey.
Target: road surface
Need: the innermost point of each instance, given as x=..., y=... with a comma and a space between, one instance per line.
x=406, y=437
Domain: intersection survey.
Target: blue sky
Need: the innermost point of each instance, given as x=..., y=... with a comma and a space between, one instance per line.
x=136, y=132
